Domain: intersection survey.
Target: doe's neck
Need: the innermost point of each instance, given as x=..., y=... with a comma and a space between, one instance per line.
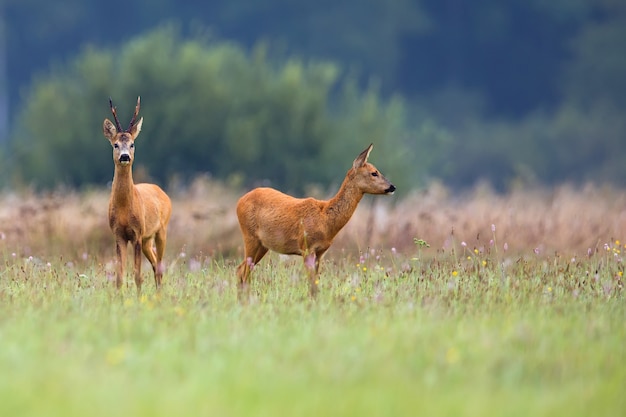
x=341, y=207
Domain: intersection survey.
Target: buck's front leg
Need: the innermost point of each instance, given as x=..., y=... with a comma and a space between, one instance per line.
x=120, y=249
x=137, y=250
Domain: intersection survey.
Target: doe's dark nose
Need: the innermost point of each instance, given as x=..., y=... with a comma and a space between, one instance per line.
x=391, y=189
x=125, y=157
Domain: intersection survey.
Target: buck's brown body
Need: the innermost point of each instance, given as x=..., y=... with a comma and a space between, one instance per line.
x=271, y=220
x=138, y=213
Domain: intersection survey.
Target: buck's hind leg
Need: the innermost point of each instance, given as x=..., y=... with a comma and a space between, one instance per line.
x=148, y=251
x=159, y=240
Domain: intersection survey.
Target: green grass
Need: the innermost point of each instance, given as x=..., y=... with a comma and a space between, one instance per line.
x=393, y=336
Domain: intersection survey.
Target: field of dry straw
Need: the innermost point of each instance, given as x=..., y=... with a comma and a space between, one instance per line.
x=570, y=221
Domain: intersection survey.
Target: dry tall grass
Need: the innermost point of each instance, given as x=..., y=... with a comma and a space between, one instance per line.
x=566, y=220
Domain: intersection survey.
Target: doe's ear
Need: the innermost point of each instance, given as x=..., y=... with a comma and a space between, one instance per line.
x=109, y=130
x=134, y=131
x=362, y=158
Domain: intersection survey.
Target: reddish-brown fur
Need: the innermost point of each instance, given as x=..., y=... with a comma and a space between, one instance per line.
x=138, y=213
x=271, y=220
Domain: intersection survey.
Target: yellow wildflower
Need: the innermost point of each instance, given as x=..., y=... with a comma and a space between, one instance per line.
x=452, y=355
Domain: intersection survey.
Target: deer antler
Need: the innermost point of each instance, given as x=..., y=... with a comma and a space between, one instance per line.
x=132, y=121
x=117, y=122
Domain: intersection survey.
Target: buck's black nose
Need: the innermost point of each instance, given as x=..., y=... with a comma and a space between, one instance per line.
x=391, y=189
x=125, y=157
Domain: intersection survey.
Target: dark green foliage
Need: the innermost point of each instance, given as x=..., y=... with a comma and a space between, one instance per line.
x=207, y=107
x=506, y=91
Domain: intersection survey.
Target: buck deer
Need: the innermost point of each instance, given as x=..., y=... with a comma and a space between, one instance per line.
x=271, y=220
x=138, y=213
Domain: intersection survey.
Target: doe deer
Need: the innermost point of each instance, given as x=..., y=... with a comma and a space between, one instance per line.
x=271, y=220
x=138, y=213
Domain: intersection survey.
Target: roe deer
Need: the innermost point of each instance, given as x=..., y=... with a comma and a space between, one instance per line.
x=272, y=220
x=138, y=213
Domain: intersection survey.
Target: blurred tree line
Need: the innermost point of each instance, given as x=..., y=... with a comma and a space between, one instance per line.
x=509, y=91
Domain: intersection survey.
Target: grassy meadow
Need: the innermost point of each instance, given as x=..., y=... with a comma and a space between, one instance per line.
x=430, y=304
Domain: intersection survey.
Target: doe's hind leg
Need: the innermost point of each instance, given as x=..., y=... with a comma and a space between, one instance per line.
x=254, y=252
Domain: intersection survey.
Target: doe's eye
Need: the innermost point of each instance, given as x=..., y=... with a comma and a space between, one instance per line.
x=132, y=145
x=116, y=146
x=374, y=174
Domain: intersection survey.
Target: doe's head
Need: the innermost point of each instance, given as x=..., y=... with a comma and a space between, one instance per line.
x=123, y=141
x=367, y=177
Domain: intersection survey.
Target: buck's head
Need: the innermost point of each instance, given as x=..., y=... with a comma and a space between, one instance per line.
x=123, y=141
x=367, y=177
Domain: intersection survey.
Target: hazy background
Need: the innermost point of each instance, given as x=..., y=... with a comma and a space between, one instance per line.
x=288, y=92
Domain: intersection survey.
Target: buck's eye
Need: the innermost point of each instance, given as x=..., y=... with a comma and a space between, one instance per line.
x=374, y=174
x=116, y=146
x=132, y=145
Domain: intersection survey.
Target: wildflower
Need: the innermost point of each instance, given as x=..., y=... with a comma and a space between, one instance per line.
x=469, y=258
x=455, y=273
x=476, y=251
x=364, y=268
x=589, y=251
x=452, y=355
x=421, y=243
x=195, y=265
x=606, y=246
x=464, y=244
x=493, y=228
x=393, y=251
x=484, y=262
x=116, y=355
x=506, y=246
x=617, y=242
x=490, y=242
x=620, y=273
x=536, y=250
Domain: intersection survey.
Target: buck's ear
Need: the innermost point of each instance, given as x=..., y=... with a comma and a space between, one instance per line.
x=362, y=158
x=109, y=130
x=134, y=131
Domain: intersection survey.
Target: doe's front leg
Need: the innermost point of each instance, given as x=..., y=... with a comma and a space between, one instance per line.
x=311, y=263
